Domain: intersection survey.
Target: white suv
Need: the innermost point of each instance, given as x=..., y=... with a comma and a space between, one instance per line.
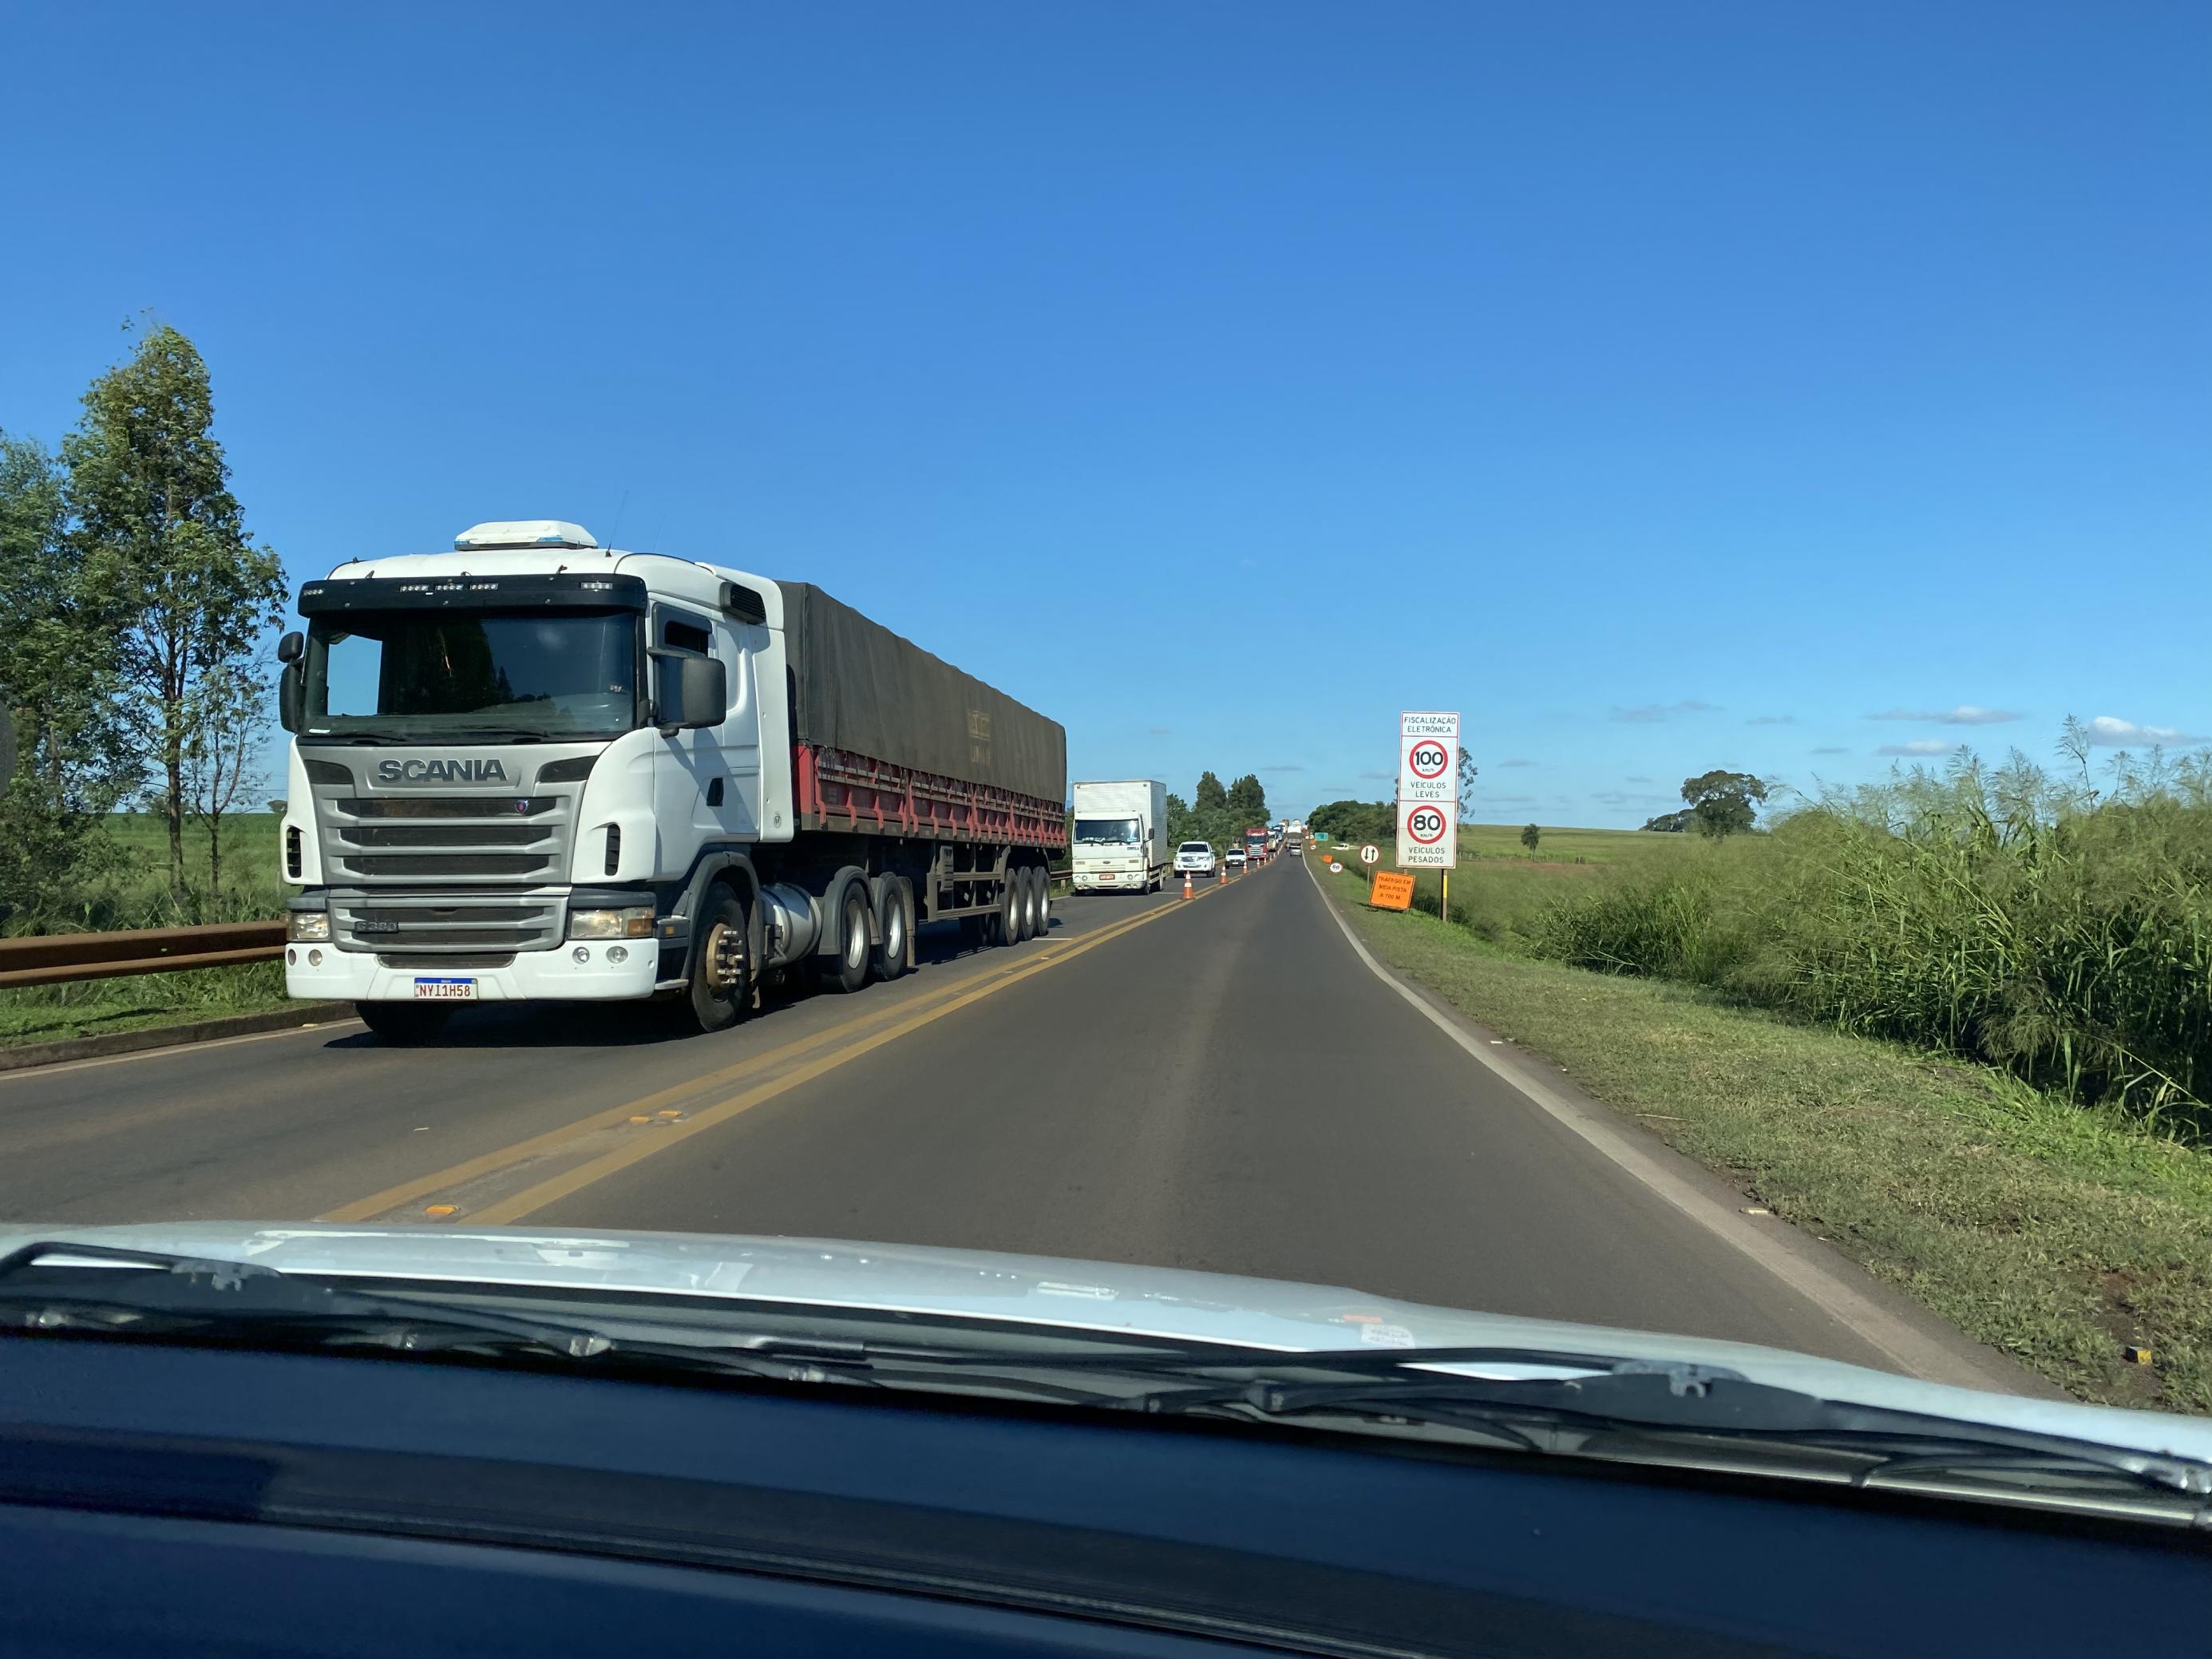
x=1194, y=858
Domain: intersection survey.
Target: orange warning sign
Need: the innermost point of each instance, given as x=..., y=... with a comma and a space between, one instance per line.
x=1391, y=890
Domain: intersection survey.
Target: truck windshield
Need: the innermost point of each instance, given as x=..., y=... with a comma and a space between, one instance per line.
x=1112, y=831
x=444, y=674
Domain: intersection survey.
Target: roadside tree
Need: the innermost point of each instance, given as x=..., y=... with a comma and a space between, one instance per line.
x=186, y=592
x=1724, y=803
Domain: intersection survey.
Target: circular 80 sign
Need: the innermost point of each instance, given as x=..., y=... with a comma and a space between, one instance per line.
x=1428, y=759
x=1426, y=825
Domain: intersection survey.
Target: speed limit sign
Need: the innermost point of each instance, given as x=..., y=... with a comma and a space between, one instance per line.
x=1370, y=853
x=1428, y=790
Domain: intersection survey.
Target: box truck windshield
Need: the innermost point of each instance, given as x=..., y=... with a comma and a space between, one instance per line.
x=1112, y=832
x=411, y=674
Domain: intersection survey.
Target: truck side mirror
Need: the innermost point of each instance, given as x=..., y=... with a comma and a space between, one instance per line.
x=691, y=691
x=291, y=647
x=291, y=695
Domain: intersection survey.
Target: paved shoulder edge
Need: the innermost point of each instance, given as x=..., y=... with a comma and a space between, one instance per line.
x=1915, y=1340
x=101, y=1044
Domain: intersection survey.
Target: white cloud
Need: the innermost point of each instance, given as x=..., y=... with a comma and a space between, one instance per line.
x=1965, y=714
x=1645, y=713
x=2107, y=733
x=1917, y=746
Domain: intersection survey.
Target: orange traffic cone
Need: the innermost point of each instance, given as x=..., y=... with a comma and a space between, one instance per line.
x=1221, y=872
x=1186, y=892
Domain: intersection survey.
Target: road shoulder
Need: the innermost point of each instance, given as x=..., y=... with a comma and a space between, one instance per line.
x=1916, y=1341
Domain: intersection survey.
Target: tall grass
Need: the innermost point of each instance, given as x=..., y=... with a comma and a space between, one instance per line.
x=2061, y=931
x=133, y=890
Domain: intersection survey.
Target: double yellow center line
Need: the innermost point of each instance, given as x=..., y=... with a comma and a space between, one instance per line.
x=842, y=1042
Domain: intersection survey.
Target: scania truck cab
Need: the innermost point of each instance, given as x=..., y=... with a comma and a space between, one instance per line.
x=535, y=769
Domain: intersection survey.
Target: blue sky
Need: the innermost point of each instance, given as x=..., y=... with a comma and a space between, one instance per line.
x=1665, y=386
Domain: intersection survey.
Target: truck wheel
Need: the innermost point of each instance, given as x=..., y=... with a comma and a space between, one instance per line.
x=723, y=967
x=894, y=956
x=1044, y=879
x=1024, y=905
x=403, y=1024
x=847, y=971
x=1007, y=924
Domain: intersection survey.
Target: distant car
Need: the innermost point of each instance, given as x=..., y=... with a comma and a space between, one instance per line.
x=1236, y=859
x=1194, y=858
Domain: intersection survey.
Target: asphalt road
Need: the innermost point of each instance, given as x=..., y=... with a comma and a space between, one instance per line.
x=1216, y=1084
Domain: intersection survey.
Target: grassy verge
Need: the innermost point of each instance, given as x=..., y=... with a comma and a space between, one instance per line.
x=54, y=1013
x=2049, y=1232
x=135, y=894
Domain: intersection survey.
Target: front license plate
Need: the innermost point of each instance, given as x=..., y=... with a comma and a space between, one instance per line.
x=445, y=990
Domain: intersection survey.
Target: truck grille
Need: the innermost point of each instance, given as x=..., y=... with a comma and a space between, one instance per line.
x=371, y=922
x=445, y=839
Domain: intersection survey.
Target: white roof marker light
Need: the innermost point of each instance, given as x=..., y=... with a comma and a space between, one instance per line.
x=522, y=533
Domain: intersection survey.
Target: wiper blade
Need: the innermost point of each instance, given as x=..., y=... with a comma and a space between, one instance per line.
x=196, y=1301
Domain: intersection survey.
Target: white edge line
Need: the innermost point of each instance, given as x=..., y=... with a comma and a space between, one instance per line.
x=172, y=1049
x=1911, y=1352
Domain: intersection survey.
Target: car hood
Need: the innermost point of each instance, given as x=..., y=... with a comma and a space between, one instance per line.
x=1262, y=1314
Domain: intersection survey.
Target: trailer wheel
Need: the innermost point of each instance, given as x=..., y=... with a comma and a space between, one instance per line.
x=849, y=970
x=1006, y=925
x=1042, y=877
x=403, y=1024
x=894, y=954
x=725, y=964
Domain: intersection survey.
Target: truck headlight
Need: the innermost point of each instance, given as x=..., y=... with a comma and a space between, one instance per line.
x=307, y=926
x=634, y=923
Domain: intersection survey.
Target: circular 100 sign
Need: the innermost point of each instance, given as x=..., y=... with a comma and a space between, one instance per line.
x=1428, y=759
x=1426, y=825
x=1370, y=853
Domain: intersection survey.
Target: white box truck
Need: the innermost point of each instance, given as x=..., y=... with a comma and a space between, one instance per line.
x=537, y=768
x=1120, y=839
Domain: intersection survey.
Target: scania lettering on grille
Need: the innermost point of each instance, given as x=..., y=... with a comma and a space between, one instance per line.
x=440, y=771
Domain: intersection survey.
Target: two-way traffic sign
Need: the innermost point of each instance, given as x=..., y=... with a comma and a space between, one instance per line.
x=1369, y=853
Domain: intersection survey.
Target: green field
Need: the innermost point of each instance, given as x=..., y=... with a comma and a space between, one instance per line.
x=1500, y=888
x=2055, y=1232
x=136, y=893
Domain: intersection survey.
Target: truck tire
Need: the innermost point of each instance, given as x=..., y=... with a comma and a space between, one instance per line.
x=1044, y=879
x=847, y=971
x=894, y=952
x=1024, y=919
x=727, y=962
x=403, y=1024
x=1006, y=925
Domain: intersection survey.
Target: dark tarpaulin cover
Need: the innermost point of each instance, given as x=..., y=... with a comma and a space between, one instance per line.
x=857, y=686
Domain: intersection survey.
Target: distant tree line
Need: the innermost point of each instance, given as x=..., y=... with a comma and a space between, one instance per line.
x=134, y=611
x=1217, y=813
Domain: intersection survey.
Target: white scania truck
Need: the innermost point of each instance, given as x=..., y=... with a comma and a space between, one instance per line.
x=534, y=768
x=1121, y=841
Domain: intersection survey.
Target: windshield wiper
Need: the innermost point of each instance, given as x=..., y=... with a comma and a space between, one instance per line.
x=1599, y=1406
x=51, y=1288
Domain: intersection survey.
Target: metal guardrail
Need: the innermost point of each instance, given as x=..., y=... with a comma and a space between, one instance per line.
x=59, y=958
x=55, y=958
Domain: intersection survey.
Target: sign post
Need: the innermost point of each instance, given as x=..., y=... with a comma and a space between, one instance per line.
x=1428, y=794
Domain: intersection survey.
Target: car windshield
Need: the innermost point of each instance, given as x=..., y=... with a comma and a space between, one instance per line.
x=1107, y=831
x=438, y=674
x=1540, y=661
